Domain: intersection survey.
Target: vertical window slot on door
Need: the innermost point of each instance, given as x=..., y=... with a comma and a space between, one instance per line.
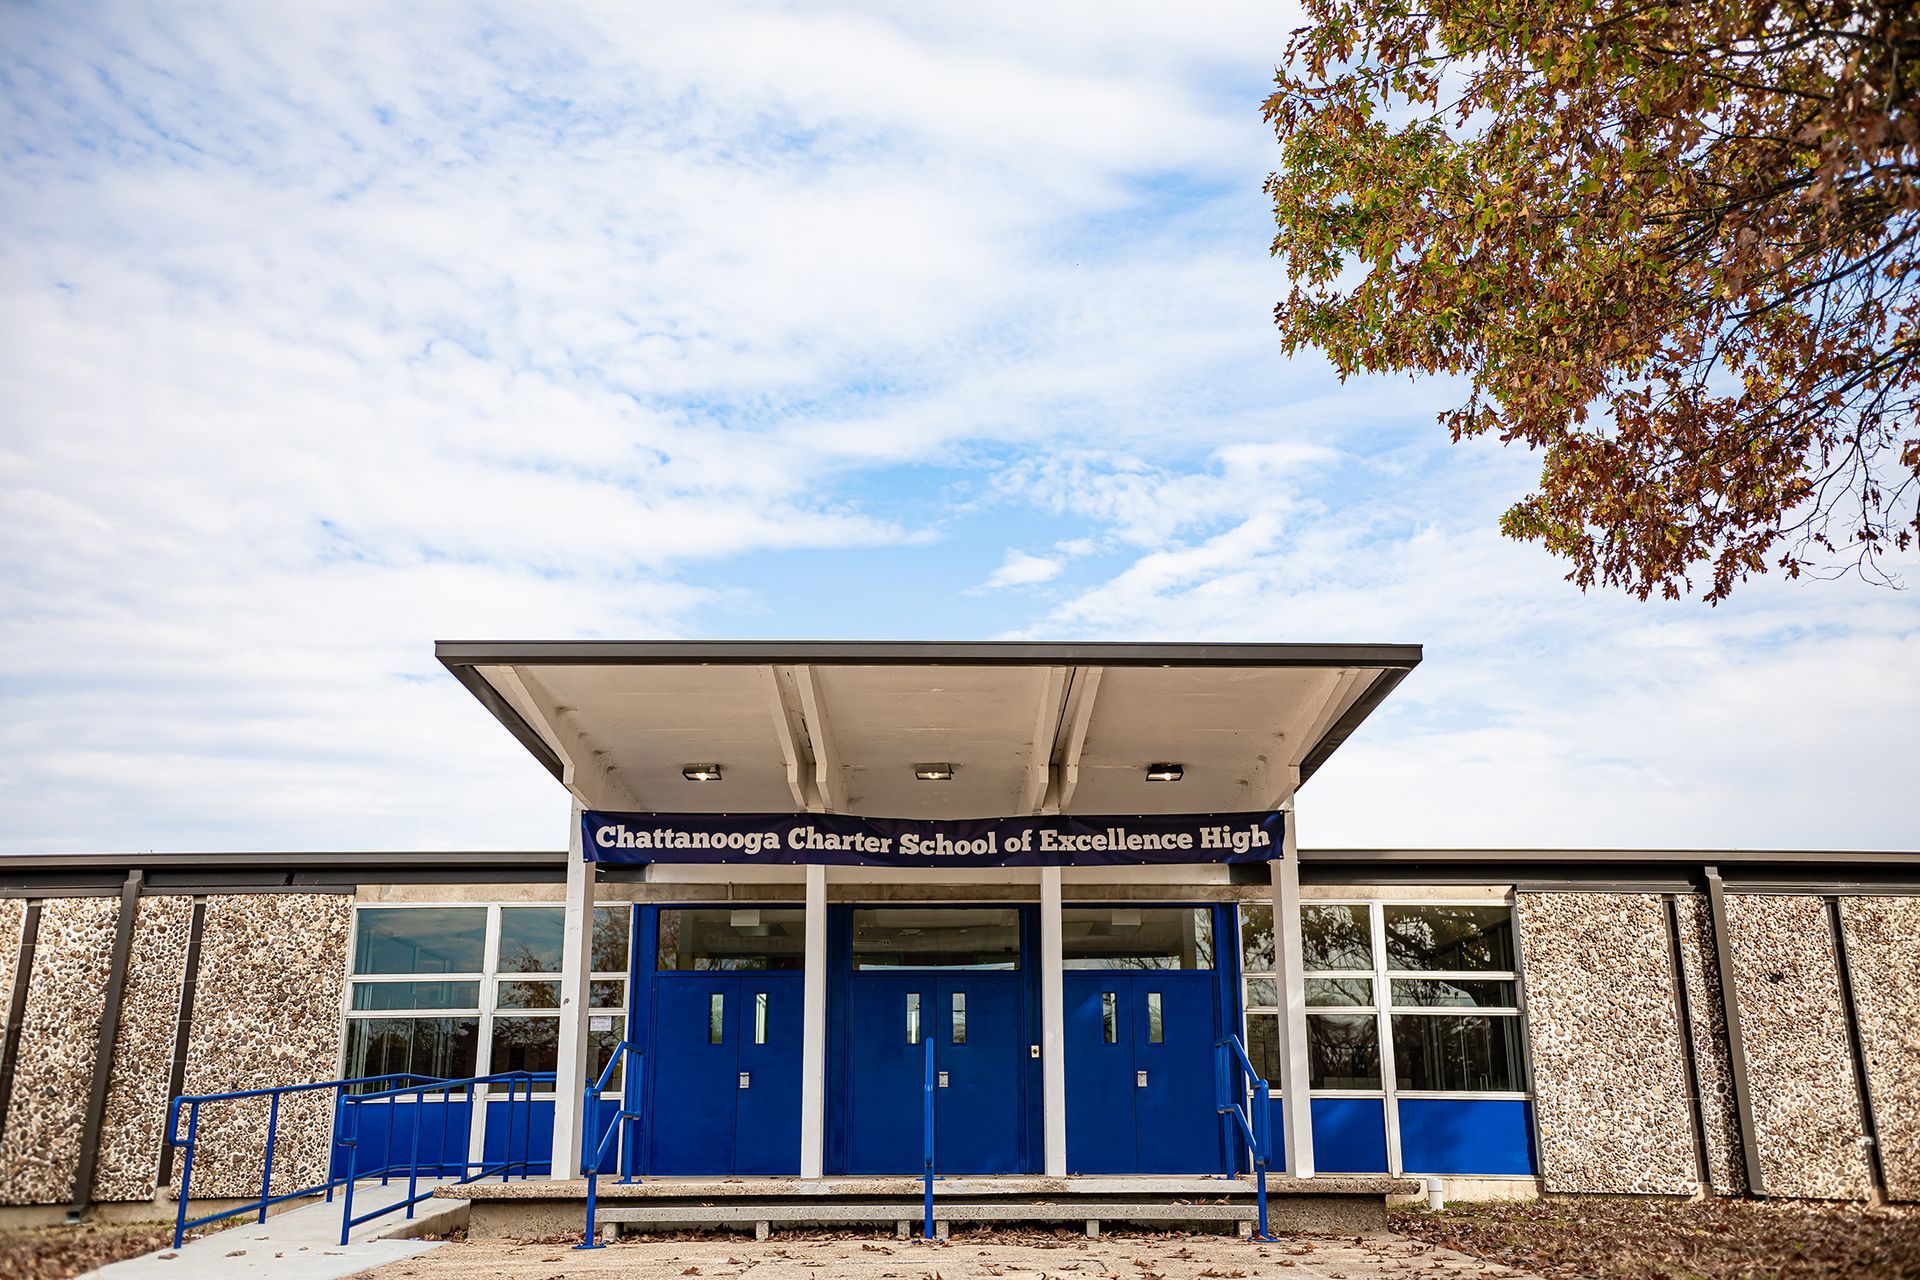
x=1109, y=1017
x=959, y=1017
x=913, y=1017
x=1156, y=1029
x=716, y=1018
x=759, y=1017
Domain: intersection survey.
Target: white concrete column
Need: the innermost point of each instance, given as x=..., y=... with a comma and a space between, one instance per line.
x=576, y=965
x=813, y=1029
x=1290, y=970
x=1053, y=1036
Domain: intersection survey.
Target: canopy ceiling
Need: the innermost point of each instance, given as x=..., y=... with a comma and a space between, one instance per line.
x=838, y=728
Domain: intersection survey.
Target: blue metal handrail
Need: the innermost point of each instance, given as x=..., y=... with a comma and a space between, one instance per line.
x=470, y=1171
x=189, y=1144
x=631, y=1101
x=926, y=1138
x=1236, y=1075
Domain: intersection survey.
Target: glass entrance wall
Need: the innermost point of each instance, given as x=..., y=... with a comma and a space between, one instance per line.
x=936, y=937
x=1136, y=937
x=1414, y=1039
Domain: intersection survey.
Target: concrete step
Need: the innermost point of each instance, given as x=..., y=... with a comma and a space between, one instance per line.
x=762, y=1218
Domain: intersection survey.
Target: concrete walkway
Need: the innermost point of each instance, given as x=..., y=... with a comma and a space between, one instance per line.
x=1004, y=1255
x=300, y=1244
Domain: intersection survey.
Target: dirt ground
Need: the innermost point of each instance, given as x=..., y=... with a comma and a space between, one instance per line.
x=1607, y=1238
x=55, y=1253
x=971, y=1255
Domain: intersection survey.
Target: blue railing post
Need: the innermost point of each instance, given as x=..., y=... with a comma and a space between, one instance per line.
x=1237, y=1069
x=926, y=1131
x=413, y=1165
x=186, y=1162
x=266, y=1169
x=352, y=1143
x=594, y=1154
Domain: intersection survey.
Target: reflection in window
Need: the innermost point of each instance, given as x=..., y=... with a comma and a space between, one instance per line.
x=419, y=939
x=1263, y=1046
x=416, y=995
x=1156, y=1029
x=531, y=939
x=442, y=1047
x=611, y=927
x=1336, y=937
x=936, y=938
x=1343, y=1051
x=716, y=1018
x=1136, y=937
x=1433, y=993
x=959, y=1017
x=1457, y=1053
x=913, y=1017
x=1339, y=991
x=741, y=939
x=525, y=1044
x=759, y=1017
x=1256, y=937
x=1109, y=1017
x=1438, y=937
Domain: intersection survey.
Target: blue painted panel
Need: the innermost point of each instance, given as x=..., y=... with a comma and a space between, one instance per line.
x=1178, y=1126
x=979, y=1116
x=524, y=1132
x=692, y=1112
x=443, y=1137
x=767, y=1136
x=1101, y=1133
x=1466, y=1136
x=1349, y=1135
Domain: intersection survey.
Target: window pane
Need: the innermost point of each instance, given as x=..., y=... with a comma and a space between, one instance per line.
x=611, y=925
x=938, y=938
x=913, y=1017
x=748, y=938
x=959, y=1017
x=1263, y=1046
x=1343, y=1051
x=526, y=1044
x=1336, y=937
x=1339, y=991
x=1457, y=1053
x=606, y=993
x=1262, y=993
x=1444, y=992
x=716, y=1019
x=1431, y=936
x=530, y=939
x=444, y=1048
x=601, y=1045
x=416, y=995
x=420, y=939
x=1137, y=937
x=1109, y=1017
x=760, y=1017
x=524, y=994
x=1156, y=1028
x=1256, y=937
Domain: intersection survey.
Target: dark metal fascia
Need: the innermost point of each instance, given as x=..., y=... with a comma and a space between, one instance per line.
x=17, y=1007
x=1683, y=1008
x=1869, y=1128
x=103, y=1048
x=454, y=653
x=1736, y=1040
x=1383, y=684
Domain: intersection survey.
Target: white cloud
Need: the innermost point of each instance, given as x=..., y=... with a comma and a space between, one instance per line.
x=1021, y=569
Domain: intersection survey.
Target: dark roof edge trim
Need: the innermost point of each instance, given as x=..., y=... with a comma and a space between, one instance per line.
x=460, y=653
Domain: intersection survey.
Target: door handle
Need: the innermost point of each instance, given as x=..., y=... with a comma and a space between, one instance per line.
x=746, y=1079
x=1139, y=1079
x=943, y=1079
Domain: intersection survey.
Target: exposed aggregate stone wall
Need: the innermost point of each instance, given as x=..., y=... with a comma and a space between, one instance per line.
x=1799, y=1062
x=59, y=1036
x=133, y=1127
x=13, y=918
x=1883, y=951
x=266, y=1013
x=1609, y=1084
x=1713, y=1063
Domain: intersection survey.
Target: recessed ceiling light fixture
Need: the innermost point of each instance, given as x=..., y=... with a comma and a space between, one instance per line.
x=1164, y=771
x=933, y=772
x=700, y=772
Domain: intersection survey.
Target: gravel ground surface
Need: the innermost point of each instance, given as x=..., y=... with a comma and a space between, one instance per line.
x=1609, y=1238
x=55, y=1253
x=1009, y=1255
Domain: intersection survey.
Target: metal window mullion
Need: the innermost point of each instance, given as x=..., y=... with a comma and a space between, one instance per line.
x=1389, y=1073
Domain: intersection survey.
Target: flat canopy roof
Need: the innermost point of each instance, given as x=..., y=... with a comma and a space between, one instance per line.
x=838, y=727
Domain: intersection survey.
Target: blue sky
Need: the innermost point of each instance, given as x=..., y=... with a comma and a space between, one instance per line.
x=332, y=330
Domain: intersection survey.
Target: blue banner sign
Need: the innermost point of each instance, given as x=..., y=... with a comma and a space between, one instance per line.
x=842, y=840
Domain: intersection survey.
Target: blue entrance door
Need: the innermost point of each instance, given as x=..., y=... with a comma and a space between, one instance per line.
x=976, y=1021
x=725, y=1067
x=1140, y=1088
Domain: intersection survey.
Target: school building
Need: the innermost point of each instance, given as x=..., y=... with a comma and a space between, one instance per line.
x=1047, y=894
